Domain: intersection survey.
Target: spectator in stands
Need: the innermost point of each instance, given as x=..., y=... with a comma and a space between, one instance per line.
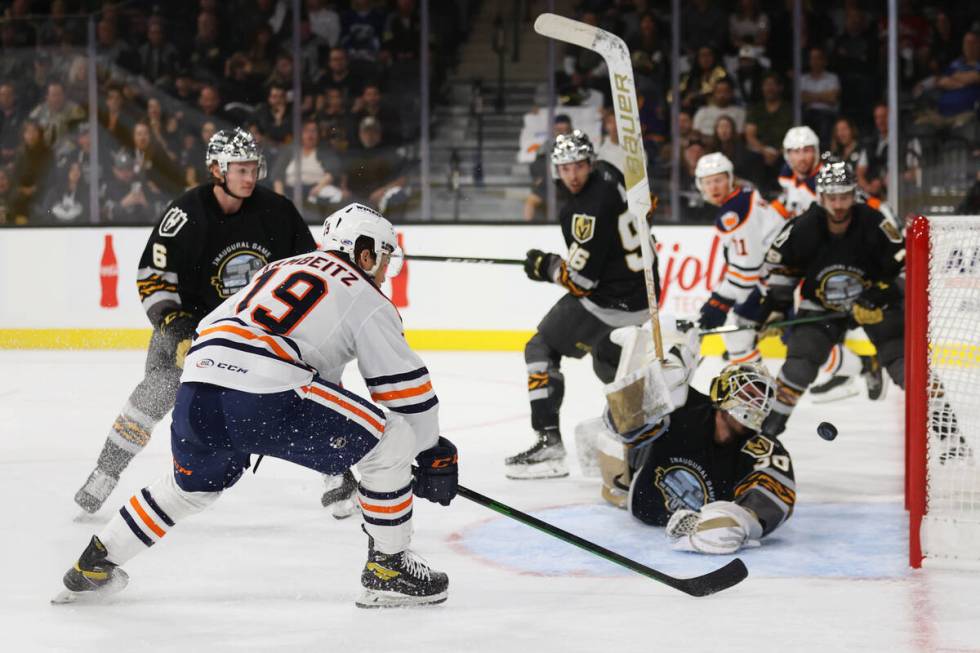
x=697, y=85
x=261, y=51
x=361, y=29
x=117, y=123
x=332, y=116
x=719, y=105
x=324, y=22
x=126, y=198
x=240, y=88
x=959, y=94
x=31, y=165
x=610, y=150
x=160, y=173
x=650, y=57
x=372, y=104
x=910, y=156
x=846, y=146
x=817, y=30
x=112, y=52
x=694, y=151
x=319, y=169
x=210, y=104
x=66, y=200
x=158, y=57
x=539, y=169
x=274, y=118
x=855, y=57
x=747, y=164
x=704, y=25
x=76, y=80
x=400, y=41
x=765, y=125
x=944, y=47
x=163, y=128
x=820, y=91
x=11, y=122
x=15, y=61
x=748, y=74
x=6, y=198
x=206, y=57
x=338, y=75
x=375, y=172
x=18, y=15
x=57, y=113
x=748, y=26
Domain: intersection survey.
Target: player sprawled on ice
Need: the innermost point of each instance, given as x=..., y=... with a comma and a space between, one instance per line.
x=798, y=179
x=263, y=377
x=603, y=275
x=206, y=246
x=696, y=463
x=850, y=259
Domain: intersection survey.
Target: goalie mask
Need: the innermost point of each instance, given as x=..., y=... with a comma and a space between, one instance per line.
x=343, y=227
x=234, y=146
x=570, y=148
x=746, y=391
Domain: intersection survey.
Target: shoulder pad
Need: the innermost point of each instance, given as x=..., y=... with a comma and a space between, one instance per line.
x=734, y=212
x=891, y=231
x=785, y=171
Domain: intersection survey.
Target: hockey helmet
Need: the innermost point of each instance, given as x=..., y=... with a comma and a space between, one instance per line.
x=344, y=226
x=797, y=138
x=836, y=178
x=746, y=391
x=570, y=148
x=715, y=163
x=234, y=146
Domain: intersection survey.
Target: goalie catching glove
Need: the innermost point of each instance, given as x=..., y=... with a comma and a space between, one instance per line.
x=437, y=473
x=719, y=527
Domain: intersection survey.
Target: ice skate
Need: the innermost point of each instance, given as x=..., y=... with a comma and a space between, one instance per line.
x=837, y=388
x=339, y=495
x=96, y=490
x=93, y=577
x=876, y=381
x=399, y=580
x=545, y=458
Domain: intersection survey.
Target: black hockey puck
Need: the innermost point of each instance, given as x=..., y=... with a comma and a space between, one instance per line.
x=827, y=431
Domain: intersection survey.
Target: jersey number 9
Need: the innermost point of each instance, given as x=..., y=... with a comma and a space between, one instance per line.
x=631, y=242
x=300, y=292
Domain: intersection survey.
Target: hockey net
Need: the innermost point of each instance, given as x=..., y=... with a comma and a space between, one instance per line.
x=942, y=353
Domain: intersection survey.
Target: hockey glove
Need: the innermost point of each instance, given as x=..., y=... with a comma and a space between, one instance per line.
x=870, y=306
x=715, y=311
x=538, y=265
x=437, y=474
x=179, y=327
x=720, y=527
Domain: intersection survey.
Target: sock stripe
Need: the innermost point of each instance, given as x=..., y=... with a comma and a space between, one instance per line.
x=387, y=522
x=156, y=508
x=137, y=531
x=152, y=525
x=384, y=496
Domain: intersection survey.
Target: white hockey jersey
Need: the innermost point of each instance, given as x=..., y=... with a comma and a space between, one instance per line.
x=798, y=192
x=746, y=225
x=311, y=315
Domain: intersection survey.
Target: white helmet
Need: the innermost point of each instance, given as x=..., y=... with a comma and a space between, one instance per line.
x=234, y=146
x=715, y=163
x=344, y=226
x=746, y=391
x=797, y=138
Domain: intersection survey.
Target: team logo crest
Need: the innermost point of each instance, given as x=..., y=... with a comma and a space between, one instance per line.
x=730, y=220
x=173, y=221
x=583, y=227
x=758, y=447
x=839, y=289
x=891, y=232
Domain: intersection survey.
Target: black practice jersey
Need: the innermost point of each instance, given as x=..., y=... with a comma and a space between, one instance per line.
x=835, y=269
x=197, y=256
x=684, y=468
x=604, y=260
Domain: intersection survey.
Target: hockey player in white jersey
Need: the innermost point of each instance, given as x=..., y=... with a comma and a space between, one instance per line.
x=746, y=225
x=801, y=148
x=263, y=377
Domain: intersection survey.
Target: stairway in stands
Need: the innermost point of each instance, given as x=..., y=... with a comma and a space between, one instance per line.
x=499, y=195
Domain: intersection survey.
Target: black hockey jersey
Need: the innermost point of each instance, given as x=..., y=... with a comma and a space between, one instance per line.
x=604, y=261
x=684, y=468
x=197, y=256
x=835, y=269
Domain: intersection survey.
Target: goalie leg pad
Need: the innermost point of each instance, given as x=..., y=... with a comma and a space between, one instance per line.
x=719, y=527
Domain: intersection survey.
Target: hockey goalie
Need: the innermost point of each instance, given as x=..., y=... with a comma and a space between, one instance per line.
x=700, y=466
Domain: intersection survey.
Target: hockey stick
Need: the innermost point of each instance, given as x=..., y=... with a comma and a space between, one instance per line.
x=617, y=57
x=732, y=328
x=465, y=259
x=719, y=579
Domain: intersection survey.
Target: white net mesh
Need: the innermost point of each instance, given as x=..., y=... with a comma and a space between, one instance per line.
x=951, y=527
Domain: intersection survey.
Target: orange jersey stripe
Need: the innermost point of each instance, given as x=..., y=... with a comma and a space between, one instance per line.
x=744, y=359
x=248, y=335
x=402, y=394
x=743, y=277
x=833, y=361
x=340, y=402
x=387, y=509
x=146, y=518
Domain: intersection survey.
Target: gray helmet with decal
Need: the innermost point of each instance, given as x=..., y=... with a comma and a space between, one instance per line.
x=234, y=146
x=573, y=147
x=836, y=178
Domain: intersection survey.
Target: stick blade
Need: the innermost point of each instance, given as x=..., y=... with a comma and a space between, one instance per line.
x=565, y=29
x=720, y=579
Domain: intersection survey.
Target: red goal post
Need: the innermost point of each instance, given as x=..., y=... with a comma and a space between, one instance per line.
x=942, y=380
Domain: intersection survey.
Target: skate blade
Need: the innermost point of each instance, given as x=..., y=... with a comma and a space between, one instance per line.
x=382, y=599
x=67, y=596
x=545, y=469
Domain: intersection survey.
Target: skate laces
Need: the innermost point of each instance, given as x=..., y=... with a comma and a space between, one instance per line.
x=416, y=565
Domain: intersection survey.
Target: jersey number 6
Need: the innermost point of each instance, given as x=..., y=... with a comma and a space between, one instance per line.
x=298, y=304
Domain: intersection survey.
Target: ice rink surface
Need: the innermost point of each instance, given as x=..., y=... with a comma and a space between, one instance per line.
x=267, y=569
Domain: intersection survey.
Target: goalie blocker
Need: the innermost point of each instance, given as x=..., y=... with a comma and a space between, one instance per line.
x=702, y=469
